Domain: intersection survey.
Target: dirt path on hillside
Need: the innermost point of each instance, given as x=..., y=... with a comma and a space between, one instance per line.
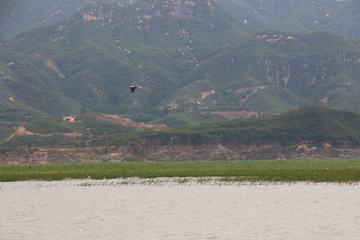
x=128, y=122
x=112, y=118
x=22, y=131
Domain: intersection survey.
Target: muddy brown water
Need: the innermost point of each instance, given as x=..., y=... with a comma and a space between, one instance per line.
x=177, y=209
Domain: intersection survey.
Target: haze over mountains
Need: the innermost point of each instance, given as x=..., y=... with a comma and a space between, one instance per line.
x=189, y=58
x=17, y=16
x=340, y=17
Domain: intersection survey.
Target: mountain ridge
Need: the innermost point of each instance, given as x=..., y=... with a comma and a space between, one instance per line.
x=156, y=51
x=192, y=59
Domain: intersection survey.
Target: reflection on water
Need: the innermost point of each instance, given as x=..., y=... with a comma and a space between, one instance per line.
x=177, y=209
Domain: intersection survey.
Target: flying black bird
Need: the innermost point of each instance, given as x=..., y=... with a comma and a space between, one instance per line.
x=132, y=88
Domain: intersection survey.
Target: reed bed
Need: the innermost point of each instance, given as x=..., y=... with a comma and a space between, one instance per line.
x=341, y=171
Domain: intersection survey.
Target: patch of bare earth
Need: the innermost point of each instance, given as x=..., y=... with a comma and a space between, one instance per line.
x=128, y=122
x=249, y=90
x=236, y=114
x=335, y=90
x=71, y=119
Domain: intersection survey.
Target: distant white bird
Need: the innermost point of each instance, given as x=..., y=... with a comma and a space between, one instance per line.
x=88, y=175
x=132, y=88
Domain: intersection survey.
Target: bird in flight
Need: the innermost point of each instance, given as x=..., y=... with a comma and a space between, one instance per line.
x=132, y=88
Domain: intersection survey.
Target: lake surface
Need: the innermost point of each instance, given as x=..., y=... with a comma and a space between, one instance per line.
x=177, y=209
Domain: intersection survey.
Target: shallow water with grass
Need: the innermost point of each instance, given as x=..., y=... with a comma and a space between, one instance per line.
x=342, y=171
x=178, y=208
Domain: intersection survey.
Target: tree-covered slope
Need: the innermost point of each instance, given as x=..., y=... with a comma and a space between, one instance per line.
x=274, y=71
x=313, y=124
x=59, y=131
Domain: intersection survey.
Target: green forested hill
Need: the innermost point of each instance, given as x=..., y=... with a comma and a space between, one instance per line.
x=313, y=124
x=57, y=131
x=274, y=71
x=189, y=58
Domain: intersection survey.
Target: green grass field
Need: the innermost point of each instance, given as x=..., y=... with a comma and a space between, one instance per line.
x=342, y=171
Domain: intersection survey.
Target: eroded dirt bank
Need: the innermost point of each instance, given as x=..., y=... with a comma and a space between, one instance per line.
x=31, y=156
x=142, y=152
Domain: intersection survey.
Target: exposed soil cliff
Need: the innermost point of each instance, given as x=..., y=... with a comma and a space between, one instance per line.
x=243, y=152
x=30, y=156
x=143, y=152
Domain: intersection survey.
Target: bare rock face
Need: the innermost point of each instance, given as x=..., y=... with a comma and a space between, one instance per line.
x=243, y=152
x=209, y=152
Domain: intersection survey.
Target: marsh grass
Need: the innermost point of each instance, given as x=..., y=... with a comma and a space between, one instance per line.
x=341, y=171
